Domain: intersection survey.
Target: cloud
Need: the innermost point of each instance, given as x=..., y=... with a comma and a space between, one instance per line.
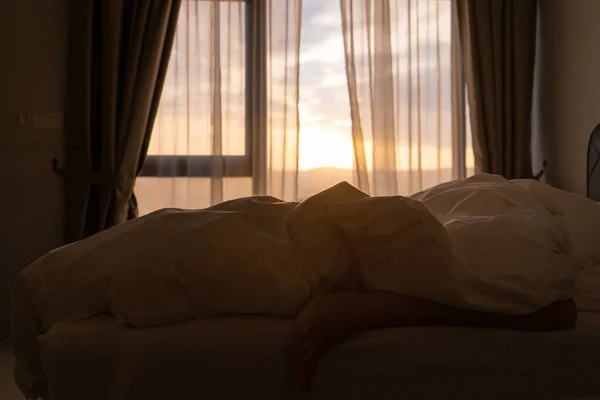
x=307, y=116
x=328, y=50
x=346, y=123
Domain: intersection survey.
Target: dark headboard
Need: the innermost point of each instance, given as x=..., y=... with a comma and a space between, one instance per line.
x=593, y=165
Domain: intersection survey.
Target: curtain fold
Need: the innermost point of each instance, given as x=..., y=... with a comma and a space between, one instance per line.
x=284, y=22
x=228, y=122
x=498, y=40
x=398, y=69
x=118, y=52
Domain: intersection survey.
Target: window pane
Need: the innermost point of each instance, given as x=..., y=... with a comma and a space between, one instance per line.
x=202, y=108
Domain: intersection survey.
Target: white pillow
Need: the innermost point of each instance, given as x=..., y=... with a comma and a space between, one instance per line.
x=481, y=194
x=327, y=258
x=581, y=217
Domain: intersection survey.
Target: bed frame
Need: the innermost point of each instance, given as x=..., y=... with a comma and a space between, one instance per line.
x=593, y=165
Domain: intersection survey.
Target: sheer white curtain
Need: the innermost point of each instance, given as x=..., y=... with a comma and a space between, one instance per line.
x=283, y=35
x=227, y=124
x=399, y=70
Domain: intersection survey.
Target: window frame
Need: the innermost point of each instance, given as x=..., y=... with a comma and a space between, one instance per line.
x=203, y=166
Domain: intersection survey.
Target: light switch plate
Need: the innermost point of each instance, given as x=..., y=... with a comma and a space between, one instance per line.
x=24, y=119
x=47, y=120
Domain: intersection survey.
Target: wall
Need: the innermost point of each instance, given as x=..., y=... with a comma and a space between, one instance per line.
x=570, y=85
x=33, y=45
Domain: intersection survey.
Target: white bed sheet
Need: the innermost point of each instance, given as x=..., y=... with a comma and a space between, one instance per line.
x=252, y=358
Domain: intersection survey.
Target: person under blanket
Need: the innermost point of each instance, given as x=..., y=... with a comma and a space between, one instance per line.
x=330, y=318
x=464, y=253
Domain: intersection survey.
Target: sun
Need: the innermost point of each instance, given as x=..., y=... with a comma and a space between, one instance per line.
x=324, y=148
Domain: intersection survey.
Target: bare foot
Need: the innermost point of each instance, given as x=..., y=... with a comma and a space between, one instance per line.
x=558, y=316
x=324, y=322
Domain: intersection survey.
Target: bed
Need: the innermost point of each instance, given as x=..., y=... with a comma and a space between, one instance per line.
x=100, y=357
x=249, y=357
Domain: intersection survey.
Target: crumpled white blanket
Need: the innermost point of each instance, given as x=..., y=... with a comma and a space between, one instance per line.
x=483, y=243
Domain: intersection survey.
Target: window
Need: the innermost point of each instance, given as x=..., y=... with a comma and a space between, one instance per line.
x=187, y=105
x=181, y=144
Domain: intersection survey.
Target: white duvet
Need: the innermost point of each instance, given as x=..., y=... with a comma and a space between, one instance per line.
x=482, y=243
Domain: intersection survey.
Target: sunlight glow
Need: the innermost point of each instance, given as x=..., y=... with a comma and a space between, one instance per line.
x=319, y=148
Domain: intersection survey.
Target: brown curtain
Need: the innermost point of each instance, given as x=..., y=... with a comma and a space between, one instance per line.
x=118, y=56
x=498, y=39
